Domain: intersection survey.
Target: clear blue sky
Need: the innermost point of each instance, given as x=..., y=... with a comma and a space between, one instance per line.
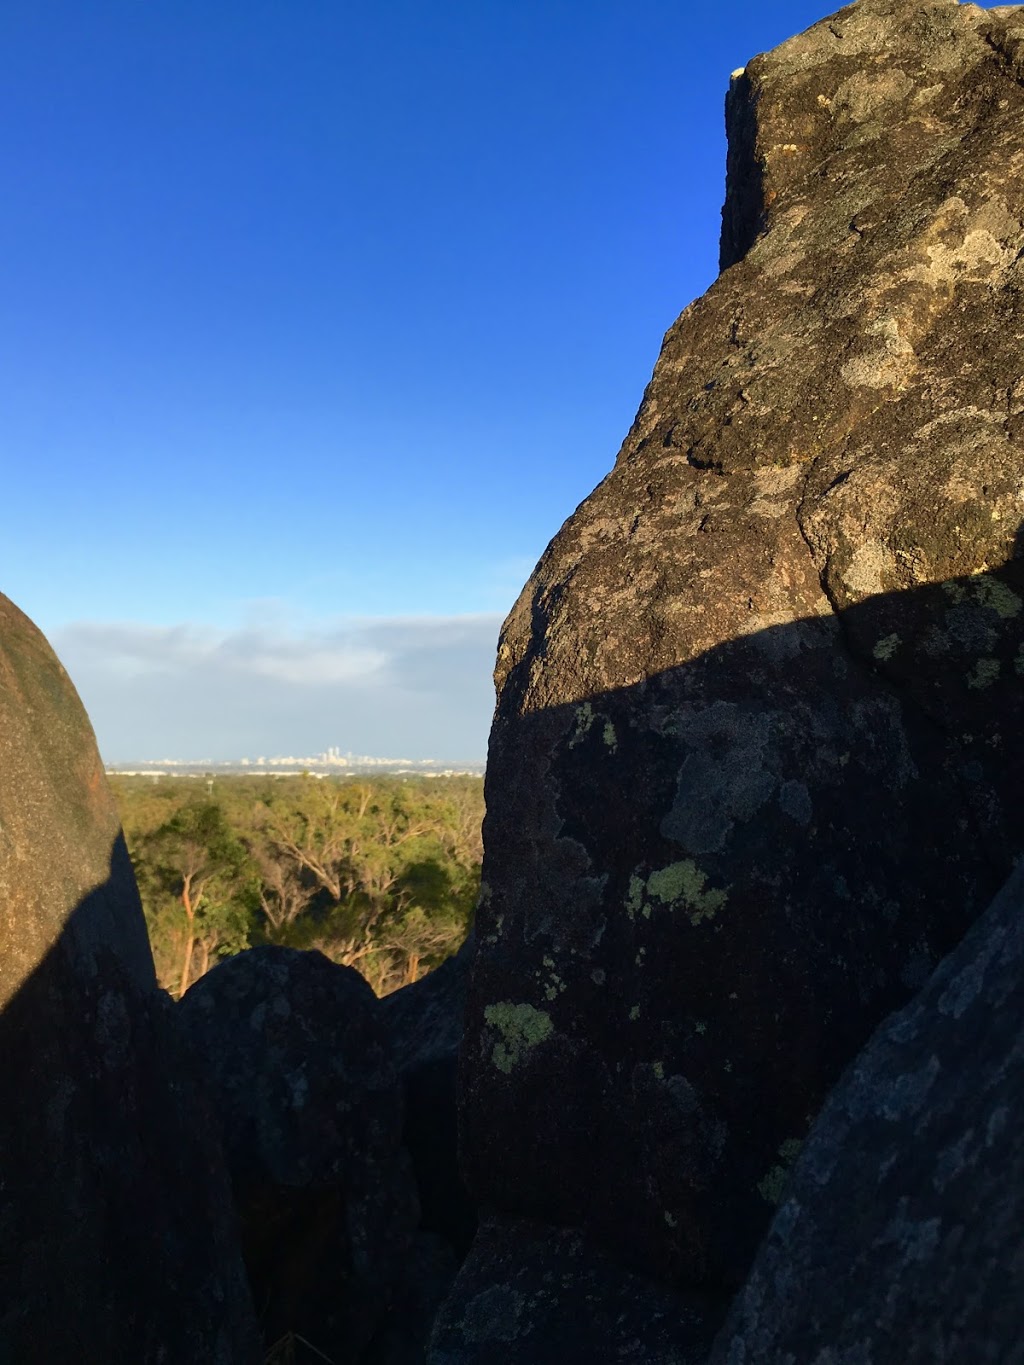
x=318, y=320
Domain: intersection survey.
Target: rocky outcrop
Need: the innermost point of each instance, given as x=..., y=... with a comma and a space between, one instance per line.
x=425, y=1022
x=899, y=1239
x=117, y=1238
x=296, y=1055
x=536, y=1295
x=756, y=762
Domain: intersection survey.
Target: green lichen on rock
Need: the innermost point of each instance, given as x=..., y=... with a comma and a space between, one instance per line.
x=584, y=720
x=679, y=884
x=635, y=898
x=983, y=674
x=684, y=884
x=994, y=593
x=886, y=648
x=521, y=1026
x=774, y=1183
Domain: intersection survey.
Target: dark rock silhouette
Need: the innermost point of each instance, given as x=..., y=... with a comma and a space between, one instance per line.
x=117, y=1238
x=536, y=1295
x=300, y=1065
x=425, y=1023
x=756, y=763
x=899, y=1240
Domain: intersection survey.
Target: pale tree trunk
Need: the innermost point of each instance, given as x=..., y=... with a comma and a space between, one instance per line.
x=186, y=966
x=190, y=937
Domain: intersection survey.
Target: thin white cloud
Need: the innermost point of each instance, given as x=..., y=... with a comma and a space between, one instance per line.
x=418, y=686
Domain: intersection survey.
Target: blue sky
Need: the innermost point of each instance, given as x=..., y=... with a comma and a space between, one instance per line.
x=318, y=320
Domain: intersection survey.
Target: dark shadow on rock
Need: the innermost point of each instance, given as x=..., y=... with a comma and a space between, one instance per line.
x=425, y=1022
x=117, y=1235
x=899, y=1238
x=299, y=1063
x=536, y=1295
x=704, y=891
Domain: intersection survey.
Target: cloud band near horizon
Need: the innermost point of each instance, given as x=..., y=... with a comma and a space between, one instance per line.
x=414, y=687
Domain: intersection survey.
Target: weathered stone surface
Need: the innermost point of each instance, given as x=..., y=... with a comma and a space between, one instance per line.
x=425, y=1023
x=899, y=1240
x=756, y=763
x=425, y=1020
x=535, y=1295
x=426, y=1281
x=117, y=1238
x=300, y=1065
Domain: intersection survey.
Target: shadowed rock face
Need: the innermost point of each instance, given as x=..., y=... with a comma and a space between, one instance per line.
x=298, y=1057
x=425, y=1022
x=117, y=1238
x=535, y=1295
x=756, y=761
x=899, y=1239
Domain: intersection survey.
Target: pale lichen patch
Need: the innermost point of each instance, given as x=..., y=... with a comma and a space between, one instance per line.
x=684, y=884
x=983, y=674
x=635, y=898
x=521, y=1026
x=993, y=592
x=987, y=591
x=886, y=647
x=771, y=1187
x=584, y=720
x=869, y=569
x=774, y=1183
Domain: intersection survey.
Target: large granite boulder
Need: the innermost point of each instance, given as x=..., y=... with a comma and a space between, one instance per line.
x=899, y=1241
x=295, y=1052
x=535, y=1295
x=117, y=1237
x=756, y=761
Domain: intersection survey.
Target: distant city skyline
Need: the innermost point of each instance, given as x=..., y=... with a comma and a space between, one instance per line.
x=326, y=763
x=318, y=322
x=419, y=687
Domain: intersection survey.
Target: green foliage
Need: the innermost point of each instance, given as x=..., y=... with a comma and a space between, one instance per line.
x=381, y=874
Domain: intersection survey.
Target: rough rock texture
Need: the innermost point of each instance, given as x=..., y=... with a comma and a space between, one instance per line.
x=117, y=1238
x=900, y=1237
x=756, y=762
x=300, y=1064
x=425, y=1022
x=535, y=1295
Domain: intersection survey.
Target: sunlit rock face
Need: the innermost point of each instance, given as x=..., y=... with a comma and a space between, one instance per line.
x=756, y=761
x=117, y=1239
x=59, y=829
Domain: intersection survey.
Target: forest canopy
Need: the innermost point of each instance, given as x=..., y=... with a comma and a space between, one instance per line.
x=381, y=874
